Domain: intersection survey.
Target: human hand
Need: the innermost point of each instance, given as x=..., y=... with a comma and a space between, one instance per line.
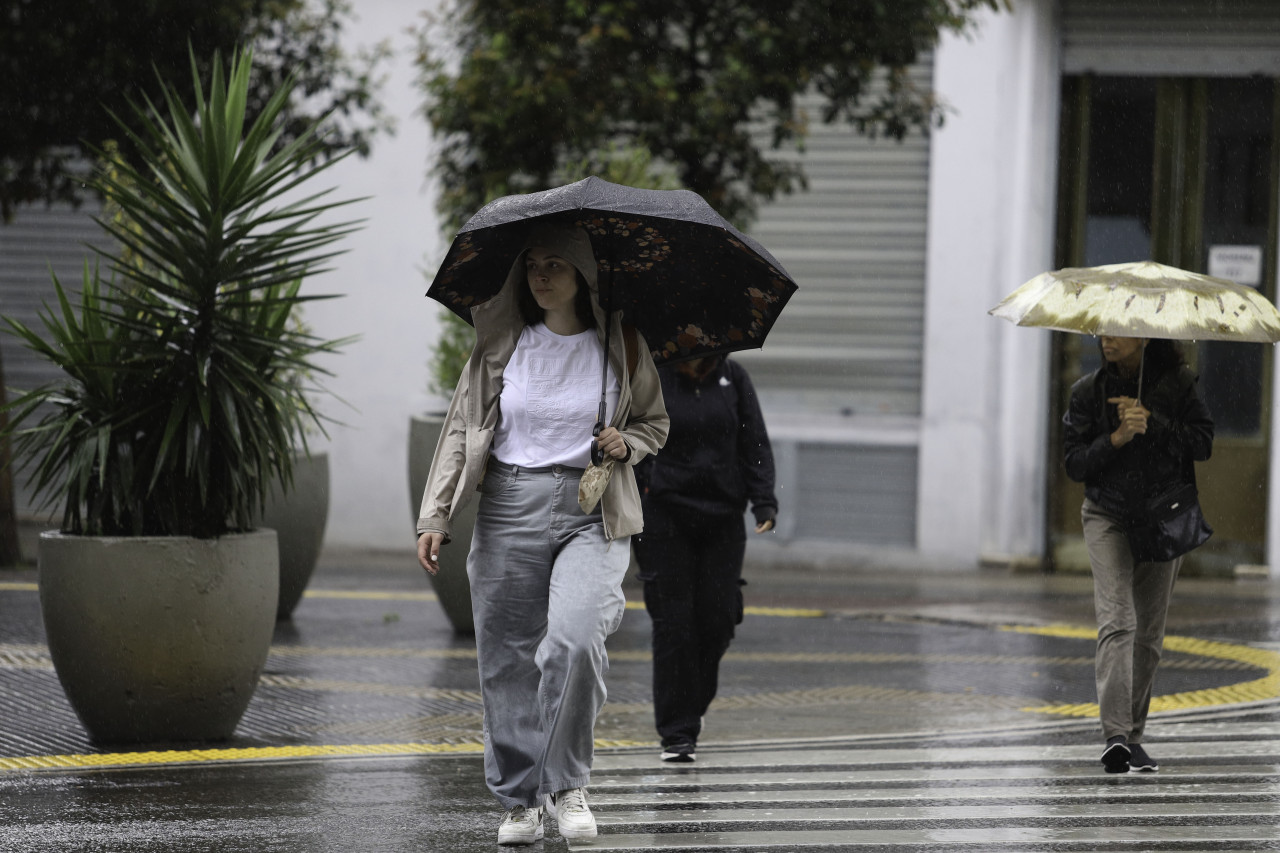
x=1123, y=404
x=429, y=551
x=612, y=443
x=1133, y=420
x=765, y=526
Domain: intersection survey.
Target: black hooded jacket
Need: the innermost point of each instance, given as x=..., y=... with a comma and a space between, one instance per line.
x=717, y=456
x=1179, y=433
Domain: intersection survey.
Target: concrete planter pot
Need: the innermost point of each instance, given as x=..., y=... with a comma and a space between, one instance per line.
x=299, y=520
x=159, y=639
x=451, y=585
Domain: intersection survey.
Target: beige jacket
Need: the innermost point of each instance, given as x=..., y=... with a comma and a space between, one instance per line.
x=463, y=451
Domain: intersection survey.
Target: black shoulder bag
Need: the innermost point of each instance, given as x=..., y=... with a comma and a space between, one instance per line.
x=1168, y=526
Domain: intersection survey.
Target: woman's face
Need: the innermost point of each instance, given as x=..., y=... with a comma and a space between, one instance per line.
x=552, y=279
x=1126, y=351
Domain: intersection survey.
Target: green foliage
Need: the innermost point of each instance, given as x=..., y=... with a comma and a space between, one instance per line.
x=63, y=61
x=181, y=403
x=450, y=354
x=630, y=166
x=340, y=91
x=515, y=89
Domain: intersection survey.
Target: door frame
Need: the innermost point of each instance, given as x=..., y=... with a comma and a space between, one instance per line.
x=1179, y=176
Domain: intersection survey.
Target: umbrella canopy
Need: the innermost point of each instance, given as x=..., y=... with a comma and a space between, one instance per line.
x=1142, y=300
x=688, y=280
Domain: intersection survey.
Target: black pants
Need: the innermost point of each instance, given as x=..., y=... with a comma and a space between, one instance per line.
x=691, y=565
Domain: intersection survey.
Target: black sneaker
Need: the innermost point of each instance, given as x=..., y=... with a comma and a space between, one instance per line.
x=1115, y=758
x=1140, y=761
x=680, y=753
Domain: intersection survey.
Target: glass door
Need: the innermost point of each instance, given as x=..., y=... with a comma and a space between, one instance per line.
x=1181, y=171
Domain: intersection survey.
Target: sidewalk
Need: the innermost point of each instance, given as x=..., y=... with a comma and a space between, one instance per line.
x=368, y=678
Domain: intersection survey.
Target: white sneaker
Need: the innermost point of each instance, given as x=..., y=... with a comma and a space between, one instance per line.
x=521, y=826
x=573, y=817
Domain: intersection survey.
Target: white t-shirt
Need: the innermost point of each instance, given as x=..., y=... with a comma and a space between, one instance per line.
x=550, y=399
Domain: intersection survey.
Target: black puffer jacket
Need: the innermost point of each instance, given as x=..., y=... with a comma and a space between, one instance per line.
x=1179, y=433
x=717, y=456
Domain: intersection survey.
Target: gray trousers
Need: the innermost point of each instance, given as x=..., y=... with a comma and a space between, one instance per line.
x=546, y=590
x=1131, y=602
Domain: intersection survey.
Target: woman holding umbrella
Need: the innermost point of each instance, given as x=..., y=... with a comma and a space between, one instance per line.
x=1134, y=429
x=545, y=569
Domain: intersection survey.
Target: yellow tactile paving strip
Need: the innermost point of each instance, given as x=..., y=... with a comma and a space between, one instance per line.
x=1202, y=654
x=1259, y=689
x=790, y=612
x=204, y=756
x=266, y=753
x=367, y=595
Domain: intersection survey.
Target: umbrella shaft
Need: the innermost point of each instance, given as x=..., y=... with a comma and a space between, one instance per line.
x=1142, y=362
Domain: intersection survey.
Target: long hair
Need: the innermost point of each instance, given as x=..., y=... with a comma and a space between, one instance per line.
x=531, y=312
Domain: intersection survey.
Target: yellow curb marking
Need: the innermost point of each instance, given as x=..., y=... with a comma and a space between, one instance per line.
x=271, y=753
x=354, y=594
x=787, y=612
x=369, y=652
x=1267, y=687
x=373, y=595
x=366, y=595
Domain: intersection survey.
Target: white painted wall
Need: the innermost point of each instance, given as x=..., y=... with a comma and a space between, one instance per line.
x=382, y=376
x=982, y=467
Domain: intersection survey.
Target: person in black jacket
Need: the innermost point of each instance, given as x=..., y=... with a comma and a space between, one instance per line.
x=694, y=493
x=1134, y=429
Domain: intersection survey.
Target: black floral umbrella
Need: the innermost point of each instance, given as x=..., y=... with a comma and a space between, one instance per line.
x=679, y=272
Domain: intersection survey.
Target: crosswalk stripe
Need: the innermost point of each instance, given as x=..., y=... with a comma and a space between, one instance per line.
x=1218, y=790
x=1086, y=839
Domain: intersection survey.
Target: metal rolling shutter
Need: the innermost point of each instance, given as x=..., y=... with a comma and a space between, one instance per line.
x=850, y=340
x=37, y=240
x=847, y=351
x=854, y=493
x=1171, y=37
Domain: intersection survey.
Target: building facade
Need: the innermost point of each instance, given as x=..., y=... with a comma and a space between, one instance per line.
x=1080, y=132
x=907, y=422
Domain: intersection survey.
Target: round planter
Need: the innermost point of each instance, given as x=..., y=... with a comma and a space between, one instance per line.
x=451, y=586
x=159, y=639
x=299, y=519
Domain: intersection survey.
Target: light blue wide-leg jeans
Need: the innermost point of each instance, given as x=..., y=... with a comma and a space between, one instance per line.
x=546, y=590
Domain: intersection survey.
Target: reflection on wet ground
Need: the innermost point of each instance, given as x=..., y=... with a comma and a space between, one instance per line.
x=841, y=701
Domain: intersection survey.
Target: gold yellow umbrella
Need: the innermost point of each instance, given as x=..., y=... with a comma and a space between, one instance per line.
x=1142, y=300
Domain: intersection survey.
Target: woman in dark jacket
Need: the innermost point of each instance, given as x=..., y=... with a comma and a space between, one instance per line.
x=716, y=459
x=1134, y=430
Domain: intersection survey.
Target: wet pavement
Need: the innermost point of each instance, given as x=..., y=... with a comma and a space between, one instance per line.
x=861, y=708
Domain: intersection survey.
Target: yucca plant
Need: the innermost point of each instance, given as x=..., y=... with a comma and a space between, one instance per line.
x=181, y=403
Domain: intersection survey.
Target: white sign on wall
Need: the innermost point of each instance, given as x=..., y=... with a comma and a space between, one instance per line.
x=1241, y=264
